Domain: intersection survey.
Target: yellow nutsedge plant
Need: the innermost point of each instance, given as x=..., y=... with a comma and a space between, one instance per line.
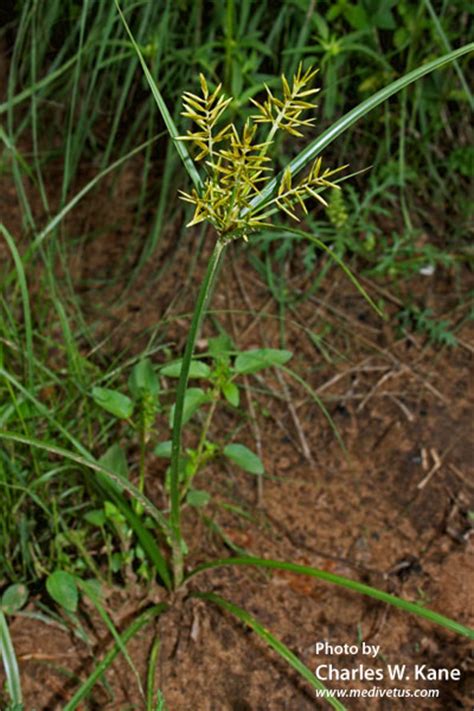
x=238, y=166
x=237, y=194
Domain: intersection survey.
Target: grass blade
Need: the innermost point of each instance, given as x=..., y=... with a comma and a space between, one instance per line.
x=309, y=153
x=10, y=663
x=89, y=591
x=170, y=125
x=320, y=404
x=311, y=238
x=102, y=667
x=67, y=170
x=91, y=464
x=347, y=583
x=25, y=299
x=272, y=642
x=150, y=675
x=41, y=84
x=448, y=48
x=15, y=61
x=78, y=197
x=57, y=219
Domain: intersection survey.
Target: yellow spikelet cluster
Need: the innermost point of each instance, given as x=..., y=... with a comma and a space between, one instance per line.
x=237, y=164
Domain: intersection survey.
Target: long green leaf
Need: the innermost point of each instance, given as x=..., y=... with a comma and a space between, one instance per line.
x=448, y=48
x=311, y=238
x=67, y=166
x=57, y=219
x=170, y=125
x=343, y=582
x=102, y=667
x=25, y=299
x=309, y=153
x=10, y=663
x=91, y=593
x=34, y=88
x=151, y=674
x=273, y=642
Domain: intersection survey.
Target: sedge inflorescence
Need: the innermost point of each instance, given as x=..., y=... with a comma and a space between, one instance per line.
x=238, y=166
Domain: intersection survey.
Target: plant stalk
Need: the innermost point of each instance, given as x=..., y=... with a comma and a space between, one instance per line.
x=141, y=483
x=207, y=424
x=204, y=295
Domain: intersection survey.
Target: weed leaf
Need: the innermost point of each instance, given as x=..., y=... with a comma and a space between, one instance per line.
x=197, y=498
x=143, y=379
x=115, y=461
x=244, y=458
x=14, y=597
x=163, y=449
x=231, y=394
x=193, y=399
x=197, y=369
x=63, y=589
x=96, y=517
x=260, y=358
x=114, y=402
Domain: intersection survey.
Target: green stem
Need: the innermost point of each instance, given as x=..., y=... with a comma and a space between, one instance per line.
x=202, y=442
x=207, y=424
x=198, y=315
x=141, y=484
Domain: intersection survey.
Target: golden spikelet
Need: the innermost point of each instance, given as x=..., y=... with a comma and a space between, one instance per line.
x=237, y=164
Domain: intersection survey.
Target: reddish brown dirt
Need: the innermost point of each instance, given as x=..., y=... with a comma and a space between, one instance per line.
x=393, y=513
